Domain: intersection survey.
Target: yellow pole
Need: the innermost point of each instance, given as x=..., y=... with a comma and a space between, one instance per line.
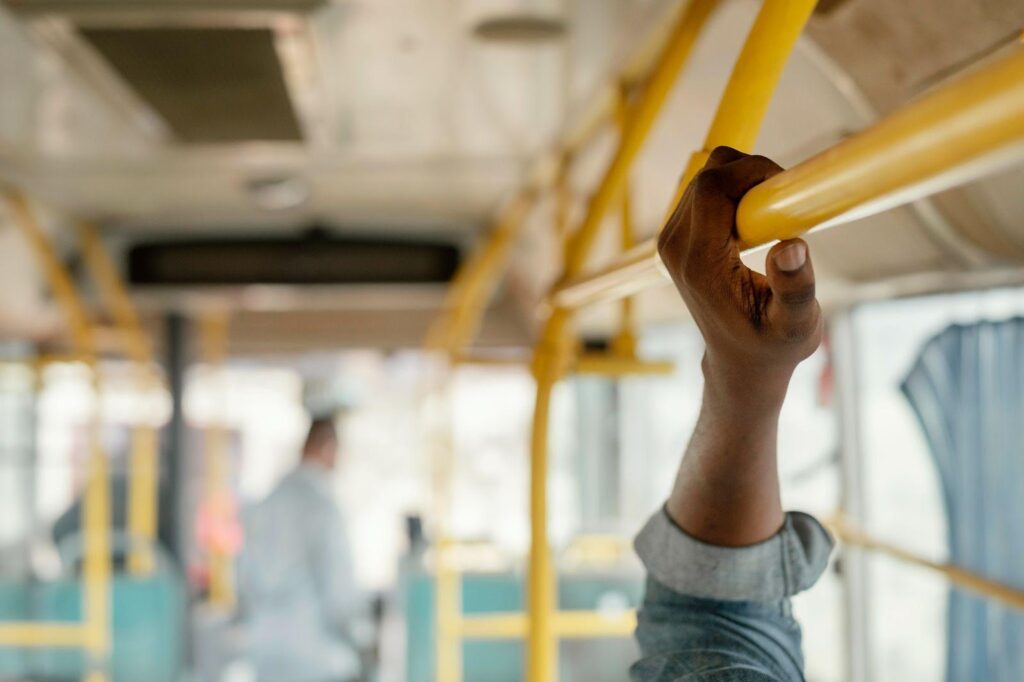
x=852, y=534
x=624, y=342
x=142, y=491
x=904, y=156
x=554, y=351
x=642, y=116
x=96, y=568
x=219, y=561
x=753, y=80
x=550, y=358
x=56, y=274
x=954, y=134
x=448, y=613
x=474, y=284
x=464, y=305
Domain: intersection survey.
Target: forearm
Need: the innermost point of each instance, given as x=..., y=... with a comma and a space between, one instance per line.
x=727, y=490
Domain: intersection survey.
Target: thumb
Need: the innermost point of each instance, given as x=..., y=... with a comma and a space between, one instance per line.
x=793, y=310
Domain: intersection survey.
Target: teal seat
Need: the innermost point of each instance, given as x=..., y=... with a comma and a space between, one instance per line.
x=148, y=627
x=502, y=660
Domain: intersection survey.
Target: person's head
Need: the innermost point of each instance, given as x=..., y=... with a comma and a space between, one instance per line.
x=321, y=446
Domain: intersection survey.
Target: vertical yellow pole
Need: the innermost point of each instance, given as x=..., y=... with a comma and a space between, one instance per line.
x=551, y=358
x=448, y=580
x=448, y=614
x=144, y=475
x=562, y=202
x=220, y=561
x=553, y=352
x=643, y=113
x=624, y=342
x=468, y=296
x=96, y=570
x=752, y=83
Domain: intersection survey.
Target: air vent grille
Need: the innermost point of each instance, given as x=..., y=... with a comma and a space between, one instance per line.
x=210, y=85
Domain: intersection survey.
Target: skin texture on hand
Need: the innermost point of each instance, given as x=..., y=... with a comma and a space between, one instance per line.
x=757, y=329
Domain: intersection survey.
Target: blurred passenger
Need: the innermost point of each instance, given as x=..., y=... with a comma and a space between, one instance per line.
x=722, y=557
x=298, y=595
x=67, y=528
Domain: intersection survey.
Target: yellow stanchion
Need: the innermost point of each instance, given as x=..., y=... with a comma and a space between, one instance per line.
x=447, y=611
x=918, y=150
x=475, y=282
x=550, y=359
x=220, y=562
x=642, y=115
x=143, y=473
x=654, y=66
x=956, y=133
x=754, y=77
x=94, y=630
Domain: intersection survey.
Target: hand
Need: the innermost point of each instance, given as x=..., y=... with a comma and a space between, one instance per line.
x=756, y=328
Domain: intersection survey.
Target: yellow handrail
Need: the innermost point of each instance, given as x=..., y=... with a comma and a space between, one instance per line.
x=852, y=534
x=93, y=633
x=214, y=342
x=143, y=482
x=947, y=137
x=737, y=120
x=642, y=115
x=476, y=280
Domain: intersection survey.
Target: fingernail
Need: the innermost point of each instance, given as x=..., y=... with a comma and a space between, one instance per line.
x=791, y=258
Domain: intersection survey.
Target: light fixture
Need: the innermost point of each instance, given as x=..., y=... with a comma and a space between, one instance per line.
x=520, y=29
x=278, y=192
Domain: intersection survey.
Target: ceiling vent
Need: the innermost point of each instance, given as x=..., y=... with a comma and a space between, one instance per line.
x=191, y=71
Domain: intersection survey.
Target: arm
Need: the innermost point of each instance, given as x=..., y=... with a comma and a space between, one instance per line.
x=722, y=557
x=757, y=329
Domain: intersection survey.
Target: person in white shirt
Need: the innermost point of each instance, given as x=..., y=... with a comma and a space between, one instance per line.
x=298, y=596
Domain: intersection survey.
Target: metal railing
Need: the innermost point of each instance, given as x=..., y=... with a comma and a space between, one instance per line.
x=92, y=634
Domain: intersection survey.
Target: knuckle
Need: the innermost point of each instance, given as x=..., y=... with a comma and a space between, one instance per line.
x=763, y=163
x=708, y=180
x=798, y=296
x=722, y=152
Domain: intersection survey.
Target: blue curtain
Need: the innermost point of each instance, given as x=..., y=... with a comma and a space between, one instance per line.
x=967, y=388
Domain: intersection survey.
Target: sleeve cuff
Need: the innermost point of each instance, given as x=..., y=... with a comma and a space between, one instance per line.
x=787, y=563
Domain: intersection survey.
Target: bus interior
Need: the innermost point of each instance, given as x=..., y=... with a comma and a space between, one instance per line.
x=433, y=222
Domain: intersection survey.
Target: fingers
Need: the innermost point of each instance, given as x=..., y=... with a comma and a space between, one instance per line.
x=713, y=251
x=718, y=190
x=793, y=310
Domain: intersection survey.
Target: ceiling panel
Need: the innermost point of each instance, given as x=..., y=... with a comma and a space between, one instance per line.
x=209, y=85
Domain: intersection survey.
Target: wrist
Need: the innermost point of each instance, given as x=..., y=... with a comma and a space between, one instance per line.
x=749, y=391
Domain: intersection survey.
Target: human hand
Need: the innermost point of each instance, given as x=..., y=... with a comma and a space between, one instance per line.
x=757, y=328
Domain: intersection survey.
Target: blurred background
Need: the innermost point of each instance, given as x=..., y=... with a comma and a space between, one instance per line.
x=227, y=218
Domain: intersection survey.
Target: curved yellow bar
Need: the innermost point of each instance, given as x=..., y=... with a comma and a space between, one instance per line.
x=641, y=118
x=905, y=156
x=955, y=134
